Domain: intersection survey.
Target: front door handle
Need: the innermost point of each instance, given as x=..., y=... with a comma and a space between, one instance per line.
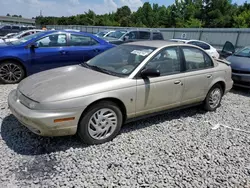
x=63, y=52
x=209, y=76
x=177, y=82
x=97, y=50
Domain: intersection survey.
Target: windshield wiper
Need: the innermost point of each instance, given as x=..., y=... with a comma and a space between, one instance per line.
x=101, y=70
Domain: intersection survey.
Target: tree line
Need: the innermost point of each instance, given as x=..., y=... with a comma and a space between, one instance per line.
x=181, y=14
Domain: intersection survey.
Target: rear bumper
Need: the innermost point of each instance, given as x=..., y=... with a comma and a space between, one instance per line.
x=241, y=80
x=42, y=122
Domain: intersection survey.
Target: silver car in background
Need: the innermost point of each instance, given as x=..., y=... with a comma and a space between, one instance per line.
x=127, y=82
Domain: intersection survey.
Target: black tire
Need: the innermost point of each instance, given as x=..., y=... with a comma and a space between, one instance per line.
x=207, y=104
x=11, y=77
x=83, y=127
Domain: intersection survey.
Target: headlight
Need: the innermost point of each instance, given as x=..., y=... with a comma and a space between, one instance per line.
x=26, y=101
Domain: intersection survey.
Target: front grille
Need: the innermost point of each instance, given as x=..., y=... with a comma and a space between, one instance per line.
x=240, y=72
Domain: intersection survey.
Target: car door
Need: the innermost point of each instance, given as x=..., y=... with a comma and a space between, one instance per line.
x=51, y=51
x=82, y=48
x=227, y=50
x=164, y=92
x=199, y=70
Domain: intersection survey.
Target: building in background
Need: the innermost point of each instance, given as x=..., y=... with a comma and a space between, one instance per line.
x=16, y=21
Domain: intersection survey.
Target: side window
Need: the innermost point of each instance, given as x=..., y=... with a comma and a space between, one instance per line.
x=200, y=44
x=56, y=40
x=157, y=36
x=196, y=59
x=25, y=34
x=167, y=61
x=144, y=35
x=132, y=35
x=7, y=27
x=80, y=40
x=15, y=27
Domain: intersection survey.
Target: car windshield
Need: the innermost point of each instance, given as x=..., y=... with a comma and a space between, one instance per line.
x=19, y=34
x=116, y=34
x=245, y=52
x=101, y=33
x=25, y=39
x=119, y=61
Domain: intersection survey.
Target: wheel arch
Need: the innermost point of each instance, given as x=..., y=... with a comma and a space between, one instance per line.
x=17, y=61
x=117, y=101
x=222, y=83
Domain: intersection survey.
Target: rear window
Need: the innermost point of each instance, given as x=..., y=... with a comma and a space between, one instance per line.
x=157, y=36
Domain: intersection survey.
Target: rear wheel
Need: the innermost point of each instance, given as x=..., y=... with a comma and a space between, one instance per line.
x=213, y=98
x=101, y=123
x=11, y=72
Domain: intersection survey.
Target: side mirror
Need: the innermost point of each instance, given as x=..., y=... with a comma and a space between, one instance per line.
x=34, y=45
x=126, y=38
x=150, y=72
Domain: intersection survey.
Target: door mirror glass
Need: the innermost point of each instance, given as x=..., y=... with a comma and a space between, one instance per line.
x=150, y=72
x=126, y=37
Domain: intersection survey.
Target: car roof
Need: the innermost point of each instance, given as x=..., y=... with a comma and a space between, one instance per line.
x=64, y=31
x=150, y=43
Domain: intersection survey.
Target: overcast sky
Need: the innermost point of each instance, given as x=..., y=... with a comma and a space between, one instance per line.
x=31, y=8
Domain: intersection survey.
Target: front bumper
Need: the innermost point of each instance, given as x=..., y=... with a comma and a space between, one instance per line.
x=241, y=80
x=42, y=122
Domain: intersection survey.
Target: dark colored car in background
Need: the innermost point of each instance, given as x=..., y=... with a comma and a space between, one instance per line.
x=47, y=50
x=240, y=63
x=124, y=36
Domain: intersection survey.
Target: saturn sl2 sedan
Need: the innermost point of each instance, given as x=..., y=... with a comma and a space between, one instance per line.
x=122, y=84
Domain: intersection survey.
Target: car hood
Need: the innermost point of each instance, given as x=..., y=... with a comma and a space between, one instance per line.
x=68, y=82
x=11, y=39
x=239, y=63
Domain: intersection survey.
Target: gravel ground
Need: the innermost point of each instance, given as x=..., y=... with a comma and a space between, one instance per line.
x=187, y=148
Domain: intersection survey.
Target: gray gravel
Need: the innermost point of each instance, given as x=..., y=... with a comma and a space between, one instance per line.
x=187, y=148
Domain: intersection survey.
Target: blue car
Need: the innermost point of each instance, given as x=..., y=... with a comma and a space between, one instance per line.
x=47, y=50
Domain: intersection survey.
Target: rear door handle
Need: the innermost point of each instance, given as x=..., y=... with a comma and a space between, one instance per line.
x=209, y=76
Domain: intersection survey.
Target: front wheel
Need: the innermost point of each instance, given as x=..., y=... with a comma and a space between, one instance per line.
x=11, y=72
x=101, y=123
x=213, y=98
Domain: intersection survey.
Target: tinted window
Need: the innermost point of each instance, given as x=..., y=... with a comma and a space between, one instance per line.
x=157, y=36
x=245, y=52
x=56, y=40
x=15, y=27
x=144, y=35
x=24, y=28
x=167, y=61
x=196, y=59
x=7, y=27
x=79, y=40
x=132, y=35
x=200, y=44
x=25, y=34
